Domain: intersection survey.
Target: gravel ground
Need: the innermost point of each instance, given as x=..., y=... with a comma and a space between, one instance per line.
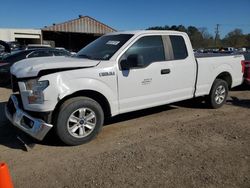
x=180, y=145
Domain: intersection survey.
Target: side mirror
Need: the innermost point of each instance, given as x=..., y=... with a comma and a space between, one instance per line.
x=132, y=61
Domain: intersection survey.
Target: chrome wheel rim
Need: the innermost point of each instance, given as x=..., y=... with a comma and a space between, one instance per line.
x=220, y=94
x=81, y=122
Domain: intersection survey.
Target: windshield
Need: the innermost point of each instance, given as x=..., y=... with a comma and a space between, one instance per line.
x=104, y=47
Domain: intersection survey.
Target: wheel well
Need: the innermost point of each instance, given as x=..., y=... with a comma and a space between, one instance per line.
x=98, y=97
x=226, y=77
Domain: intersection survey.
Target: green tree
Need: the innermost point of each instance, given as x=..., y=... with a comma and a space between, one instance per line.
x=181, y=28
x=166, y=27
x=173, y=27
x=195, y=37
x=247, y=37
x=201, y=38
x=235, y=39
x=208, y=40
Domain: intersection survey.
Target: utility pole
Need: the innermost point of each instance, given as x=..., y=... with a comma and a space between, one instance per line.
x=217, y=34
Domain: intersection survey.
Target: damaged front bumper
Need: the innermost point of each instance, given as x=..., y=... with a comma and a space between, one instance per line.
x=34, y=127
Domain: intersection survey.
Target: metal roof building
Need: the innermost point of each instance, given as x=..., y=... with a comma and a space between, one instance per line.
x=83, y=24
x=75, y=34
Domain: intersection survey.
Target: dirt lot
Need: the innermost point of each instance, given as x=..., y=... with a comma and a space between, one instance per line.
x=179, y=145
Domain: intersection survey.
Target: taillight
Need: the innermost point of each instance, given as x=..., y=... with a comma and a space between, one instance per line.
x=243, y=64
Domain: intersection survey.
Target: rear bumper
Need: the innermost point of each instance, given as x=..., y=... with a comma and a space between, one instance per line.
x=34, y=127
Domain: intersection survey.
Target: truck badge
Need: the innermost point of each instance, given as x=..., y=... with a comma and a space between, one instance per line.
x=101, y=74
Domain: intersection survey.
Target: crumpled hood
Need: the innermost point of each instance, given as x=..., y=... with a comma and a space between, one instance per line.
x=31, y=67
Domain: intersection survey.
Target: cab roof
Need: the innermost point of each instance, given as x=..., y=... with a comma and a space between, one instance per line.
x=141, y=32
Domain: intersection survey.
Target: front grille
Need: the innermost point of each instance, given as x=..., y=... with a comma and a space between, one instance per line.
x=14, y=83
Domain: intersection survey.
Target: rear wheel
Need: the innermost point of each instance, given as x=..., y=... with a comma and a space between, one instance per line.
x=79, y=121
x=218, y=94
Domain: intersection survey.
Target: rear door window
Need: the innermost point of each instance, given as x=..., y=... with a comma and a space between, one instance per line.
x=179, y=47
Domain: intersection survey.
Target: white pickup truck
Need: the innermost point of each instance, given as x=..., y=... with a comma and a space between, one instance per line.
x=117, y=73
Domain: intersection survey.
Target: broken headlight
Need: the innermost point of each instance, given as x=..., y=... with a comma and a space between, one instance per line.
x=36, y=89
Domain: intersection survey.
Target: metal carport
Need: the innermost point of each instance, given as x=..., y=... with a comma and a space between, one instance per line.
x=75, y=34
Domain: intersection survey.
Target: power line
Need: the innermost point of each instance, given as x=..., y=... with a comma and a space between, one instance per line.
x=217, y=34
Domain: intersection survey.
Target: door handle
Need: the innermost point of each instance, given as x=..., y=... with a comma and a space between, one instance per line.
x=165, y=71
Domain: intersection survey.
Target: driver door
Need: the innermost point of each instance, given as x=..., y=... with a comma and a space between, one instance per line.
x=144, y=83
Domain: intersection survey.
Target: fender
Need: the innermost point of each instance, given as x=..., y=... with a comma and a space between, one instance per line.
x=224, y=68
x=62, y=87
x=220, y=69
x=93, y=85
x=205, y=83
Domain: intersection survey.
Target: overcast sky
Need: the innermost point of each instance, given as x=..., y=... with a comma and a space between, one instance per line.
x=129, y=14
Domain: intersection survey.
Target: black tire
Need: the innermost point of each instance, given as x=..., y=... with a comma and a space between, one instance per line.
x=218, y=94
x=73, y=108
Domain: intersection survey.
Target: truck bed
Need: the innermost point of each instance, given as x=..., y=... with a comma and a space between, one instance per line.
x=203, y=55
x=211, y=65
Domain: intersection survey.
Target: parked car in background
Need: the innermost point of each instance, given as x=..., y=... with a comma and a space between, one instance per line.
x=71, y=52
x=247, y=56
x=35, y=46
x=4, y=49
x=246, y=68
x=8, y=60
x=14, y=45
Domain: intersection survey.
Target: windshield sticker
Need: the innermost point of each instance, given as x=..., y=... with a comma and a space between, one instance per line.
x=112, y=42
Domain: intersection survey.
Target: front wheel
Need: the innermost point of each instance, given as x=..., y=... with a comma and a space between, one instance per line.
x=79, y=120
x=218, y=94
